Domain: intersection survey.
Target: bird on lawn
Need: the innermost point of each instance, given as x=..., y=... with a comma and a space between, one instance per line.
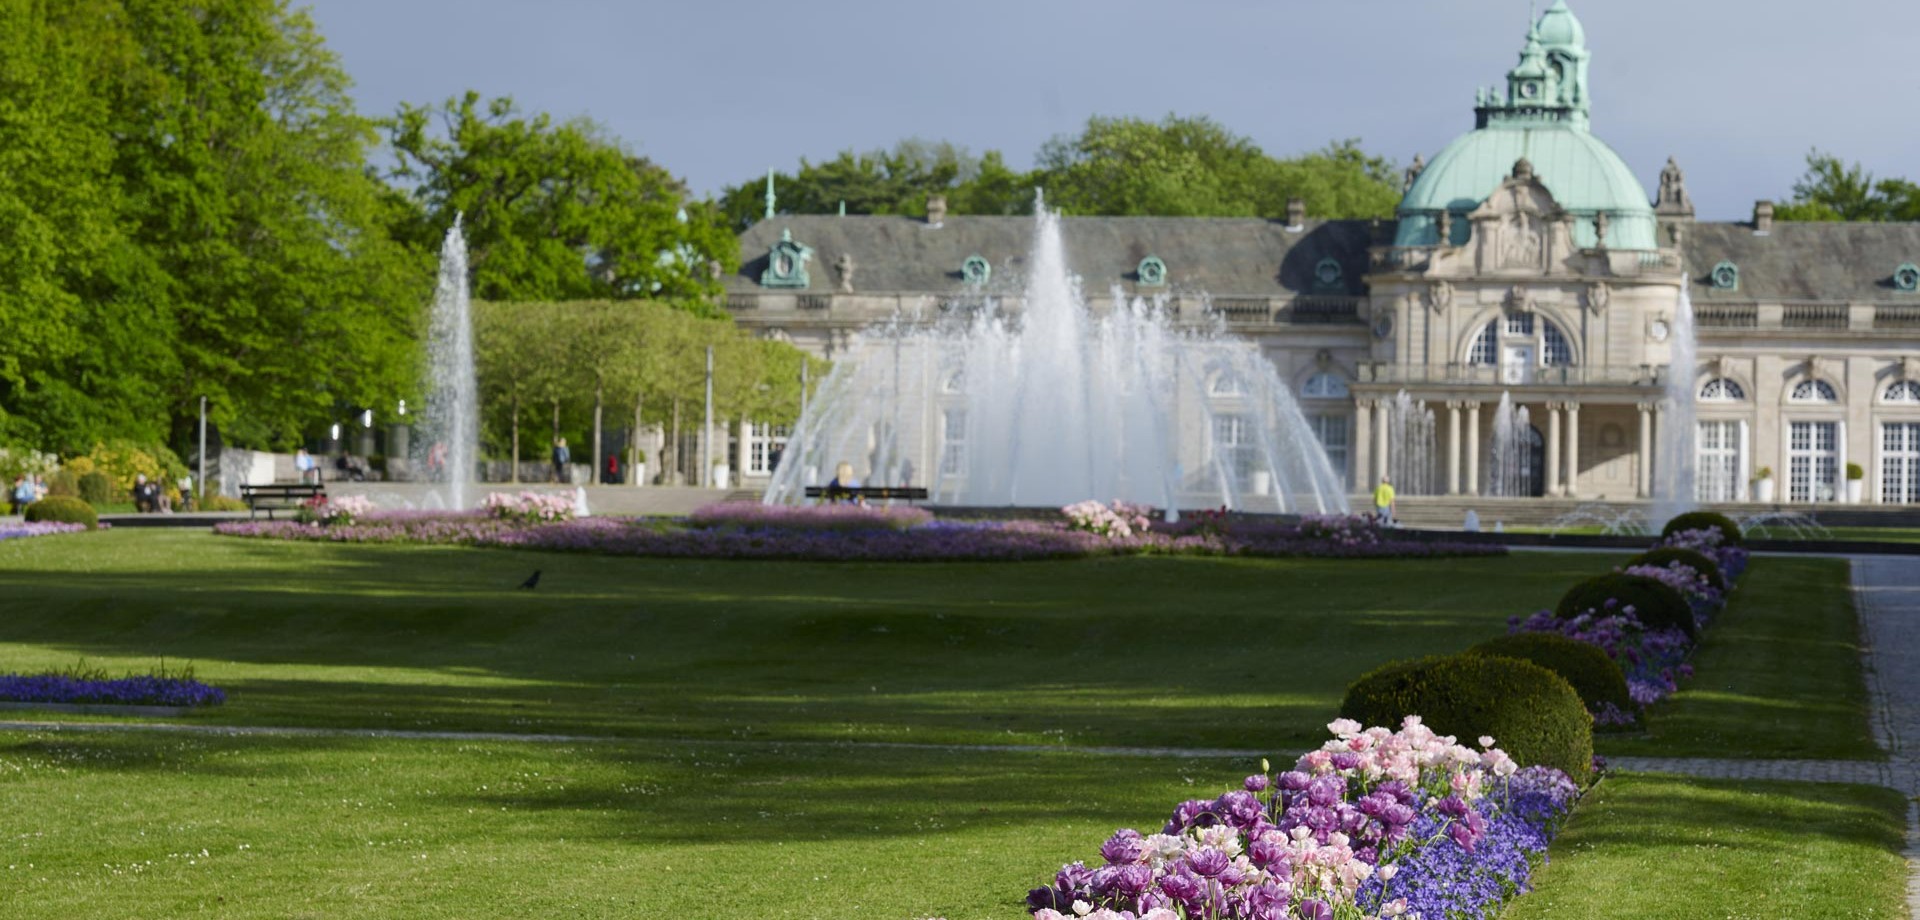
x=532, y=581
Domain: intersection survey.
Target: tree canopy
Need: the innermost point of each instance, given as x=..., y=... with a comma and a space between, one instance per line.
x=1178, y=166
x=555, y=211
x=1832, y=190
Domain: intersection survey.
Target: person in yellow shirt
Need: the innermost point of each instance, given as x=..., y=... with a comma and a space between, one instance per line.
x=1383, y=502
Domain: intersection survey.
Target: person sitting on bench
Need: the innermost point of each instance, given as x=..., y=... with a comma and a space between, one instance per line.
x=146, y=495
x=840, y=490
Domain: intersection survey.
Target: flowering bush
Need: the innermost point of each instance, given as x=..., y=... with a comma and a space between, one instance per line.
x=81, y=685
x=1376, y=823
x=1654, y=660
x=528, y=506
x=1351, y=530
x=1705, y=599
x=1117, y=521
x=757, y=516
x=1713, y=544
x=333, y=512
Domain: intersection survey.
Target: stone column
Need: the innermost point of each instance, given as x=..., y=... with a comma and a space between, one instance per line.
x=1453, y=447
x=1473, y=448
x=1573, y=450
x=1362, y=460
x=1553, y=450
x=1645, y=484
x=1745, y=471
x=1379, y=449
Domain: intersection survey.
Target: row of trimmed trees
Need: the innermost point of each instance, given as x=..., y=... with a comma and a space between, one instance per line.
x=592, y=365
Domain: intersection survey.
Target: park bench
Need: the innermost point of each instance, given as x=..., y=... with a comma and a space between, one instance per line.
x=868, y=493
x=279, y=495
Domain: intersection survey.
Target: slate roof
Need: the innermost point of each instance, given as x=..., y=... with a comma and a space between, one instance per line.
x=1218, y=256
x=1835, y=262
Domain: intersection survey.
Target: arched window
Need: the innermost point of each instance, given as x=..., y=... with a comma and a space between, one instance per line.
x=1486, y=347
x=1816, y=391
x=1324, y=386
x=1227, y=383
x=1555, y=352
x=1721, y=389
x=1903, y=391
x=956, y=382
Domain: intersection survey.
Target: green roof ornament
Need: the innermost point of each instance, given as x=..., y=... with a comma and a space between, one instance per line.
x=1152, y=272
x=1328, y=275
x=787, y=263
x=1725, y=276
x=1549, y=84
x=975, y=270
x=769, y=193
x=1907, y=277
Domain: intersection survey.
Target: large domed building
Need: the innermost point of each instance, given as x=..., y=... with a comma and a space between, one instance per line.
x=1527, y=265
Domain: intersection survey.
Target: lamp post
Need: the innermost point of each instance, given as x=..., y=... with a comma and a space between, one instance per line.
x=201, y=482
x=706, y=430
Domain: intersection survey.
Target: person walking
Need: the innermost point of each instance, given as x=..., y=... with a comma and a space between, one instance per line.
x=560, y=459
x=22, y=492
x=1383, y=502
x=304, y=465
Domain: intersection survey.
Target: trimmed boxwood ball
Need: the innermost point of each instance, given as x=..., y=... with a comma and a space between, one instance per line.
x=1657, y=605
x=1531, y=712
x=1703, y=520
x=61, y=509
x=96, y=488
x=1587, y=668
x=1697, y=561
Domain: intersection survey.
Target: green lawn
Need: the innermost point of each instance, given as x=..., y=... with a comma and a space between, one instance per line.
x=1245, y=654
x=1777, y=676
x=1667, y=848
x=705, y=675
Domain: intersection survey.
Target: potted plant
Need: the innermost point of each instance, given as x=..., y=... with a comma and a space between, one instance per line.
x=1763, y=485
x=1855, y=483
x=639, y=467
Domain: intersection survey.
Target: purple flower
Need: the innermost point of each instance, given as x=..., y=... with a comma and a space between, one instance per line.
x=1123, y=847
x=1315, y=909
x=1256, y=783
x=1208, y=862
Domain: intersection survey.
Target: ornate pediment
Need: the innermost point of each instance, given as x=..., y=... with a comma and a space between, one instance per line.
x=1520, y=228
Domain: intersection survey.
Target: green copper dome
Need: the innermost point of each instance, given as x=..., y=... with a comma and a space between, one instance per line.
x=1540, y=115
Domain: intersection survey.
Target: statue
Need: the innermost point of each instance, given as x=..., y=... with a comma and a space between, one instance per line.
x=1440, y=296
x=1445, y=228
x=1523, y=242
x=1673, y=189
x=843, y=267
x=1600, y=230
x=1598, y=294
x=1413, y=172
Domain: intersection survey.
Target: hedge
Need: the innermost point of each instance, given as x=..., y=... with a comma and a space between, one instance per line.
x=1531, y=712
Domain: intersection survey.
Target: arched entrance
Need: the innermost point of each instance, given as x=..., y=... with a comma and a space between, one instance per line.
x=1536, y=462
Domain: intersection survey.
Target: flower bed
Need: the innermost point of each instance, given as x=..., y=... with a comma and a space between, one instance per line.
x=42, y=529
x=1653, y=660
x=828, y=533
x=1376, y=823
x=93, y=687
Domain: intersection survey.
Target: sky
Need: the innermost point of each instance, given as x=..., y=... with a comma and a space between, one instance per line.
x=1738, y=91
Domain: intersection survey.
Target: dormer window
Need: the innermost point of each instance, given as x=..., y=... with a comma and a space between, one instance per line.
x=1725, y=276
x=1327, y=275
x=975, y=270
x=1907, y=278
x=1152, y=272
x=786, y=263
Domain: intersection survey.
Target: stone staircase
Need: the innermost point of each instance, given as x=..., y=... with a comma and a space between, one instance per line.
x=1449, y=512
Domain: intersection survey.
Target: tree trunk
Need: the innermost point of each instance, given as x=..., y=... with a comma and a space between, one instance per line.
x=676, y=437
x=597, y=466
x=556, y=421
x=515, y=476
x=633, y=443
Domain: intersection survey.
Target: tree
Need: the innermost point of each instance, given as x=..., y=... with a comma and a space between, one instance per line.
x=556, y=211
x=1831, y=190
x=897, y=181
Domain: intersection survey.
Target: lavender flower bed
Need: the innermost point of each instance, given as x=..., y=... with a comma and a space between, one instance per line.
x=1374, y=824
x=21, y=531
x=139, y=690
x=1653, y=660
x=826, y=533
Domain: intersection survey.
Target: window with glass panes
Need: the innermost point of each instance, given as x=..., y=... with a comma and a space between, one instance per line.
x=1813, y=461
x=1233, y=445
x=953, y=441
x=1332, y=429
x=765, y=444
x=1719, y=457
x=1900, y=463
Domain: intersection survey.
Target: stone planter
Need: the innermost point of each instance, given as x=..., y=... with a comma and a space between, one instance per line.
x=1763, y=491
x=1855, y=488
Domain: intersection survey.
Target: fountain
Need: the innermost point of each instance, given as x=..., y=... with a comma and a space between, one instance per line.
x=1510, y=457
x=1410, y=445
x=1673, y=480
x=1040, y=403
x=1611, y=521
x=450, y=446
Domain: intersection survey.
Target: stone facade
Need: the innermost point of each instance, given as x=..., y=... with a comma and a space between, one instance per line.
x=1553, y=279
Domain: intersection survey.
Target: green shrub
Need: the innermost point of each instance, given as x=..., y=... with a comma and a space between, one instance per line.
x=1531, y=712
x=1696, y=561
x=1657, y=605
x=64, y=484
x=63, y=509
x=96, y=488
x=1587, y=668
x=1704, y=520
x=1855, y=471
x=218, y=502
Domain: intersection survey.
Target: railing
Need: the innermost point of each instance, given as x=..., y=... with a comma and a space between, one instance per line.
x=814, y=301
x=738, y=302
x=1243, y=309
x=1896, y=316
x=1727, y=315
x=1323, y=309
x=1402, y=258
x=1813, y=316
x=1492, y=376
